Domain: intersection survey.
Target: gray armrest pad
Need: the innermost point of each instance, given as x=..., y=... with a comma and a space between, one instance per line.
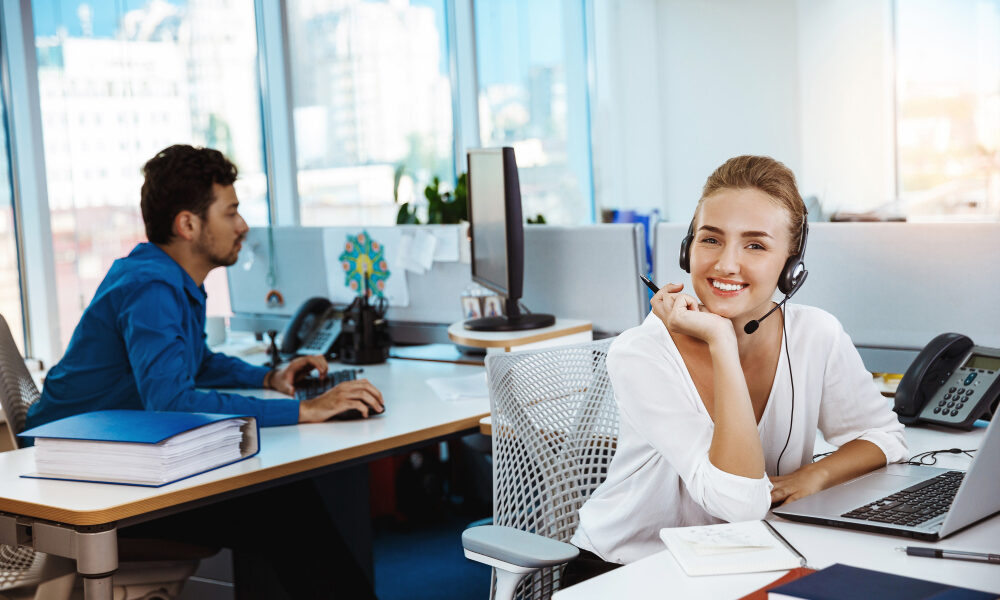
x=517, y=547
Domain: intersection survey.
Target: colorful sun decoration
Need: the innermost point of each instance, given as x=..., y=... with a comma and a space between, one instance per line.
x=364, y=259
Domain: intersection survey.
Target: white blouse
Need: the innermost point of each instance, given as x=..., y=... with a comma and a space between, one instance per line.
x=661, y=476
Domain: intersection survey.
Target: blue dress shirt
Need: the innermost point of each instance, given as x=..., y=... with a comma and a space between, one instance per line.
x=141, y=345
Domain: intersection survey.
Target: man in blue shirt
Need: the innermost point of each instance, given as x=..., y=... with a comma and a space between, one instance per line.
x=140, y=344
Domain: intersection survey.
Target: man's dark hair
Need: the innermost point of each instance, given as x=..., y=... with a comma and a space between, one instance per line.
x=180, y=178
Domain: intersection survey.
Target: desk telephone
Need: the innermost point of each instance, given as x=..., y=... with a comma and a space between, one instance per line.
x=952, y=382
x=313, y=329
x=358, y=333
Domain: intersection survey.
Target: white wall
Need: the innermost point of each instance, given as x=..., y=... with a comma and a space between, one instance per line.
x=846, y=99
x=682, y=86
x=627, y=106
x=731, y=83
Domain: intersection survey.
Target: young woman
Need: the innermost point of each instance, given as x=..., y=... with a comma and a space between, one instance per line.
x=718, y=424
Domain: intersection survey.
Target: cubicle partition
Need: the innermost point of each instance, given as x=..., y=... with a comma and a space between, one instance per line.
x=587, y=272
x=894, y=286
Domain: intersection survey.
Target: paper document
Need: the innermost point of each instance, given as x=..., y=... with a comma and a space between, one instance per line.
x=454, y=389
x=447, y=243
x=422, y=249
x=743, y=547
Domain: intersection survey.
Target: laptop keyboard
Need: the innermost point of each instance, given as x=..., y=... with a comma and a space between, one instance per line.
x=915, y=504
x=310, y=387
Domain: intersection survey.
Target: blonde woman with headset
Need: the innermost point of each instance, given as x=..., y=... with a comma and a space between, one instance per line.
x=721, y=390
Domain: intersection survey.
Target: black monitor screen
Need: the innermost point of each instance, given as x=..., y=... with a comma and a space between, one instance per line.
x=488, y=211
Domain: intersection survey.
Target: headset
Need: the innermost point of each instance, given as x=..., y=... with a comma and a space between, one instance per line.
x=793, y=274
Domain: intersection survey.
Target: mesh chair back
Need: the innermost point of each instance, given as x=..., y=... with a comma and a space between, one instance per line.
x=17, y=393
x=17, y=388
x=555, y=428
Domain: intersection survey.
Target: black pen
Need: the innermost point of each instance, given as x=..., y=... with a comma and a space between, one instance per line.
x=954, y=554
x=649, y=283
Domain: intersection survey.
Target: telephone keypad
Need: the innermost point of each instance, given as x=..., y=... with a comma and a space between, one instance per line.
x=951, y=405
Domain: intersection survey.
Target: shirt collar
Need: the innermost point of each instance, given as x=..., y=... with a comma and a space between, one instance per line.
x=154, y=253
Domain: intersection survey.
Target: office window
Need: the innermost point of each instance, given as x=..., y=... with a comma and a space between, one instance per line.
x=370, y=93
x=948, y=108
x=119, y=81
x=533, y=95
x=10, y=272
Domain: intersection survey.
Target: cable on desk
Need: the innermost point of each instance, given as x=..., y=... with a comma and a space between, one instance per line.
x=929, y=458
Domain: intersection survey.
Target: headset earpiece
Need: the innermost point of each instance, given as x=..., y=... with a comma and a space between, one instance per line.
x=685, y=256
x=794, y=273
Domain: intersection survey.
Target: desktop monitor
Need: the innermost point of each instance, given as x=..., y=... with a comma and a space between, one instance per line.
x=497, y=234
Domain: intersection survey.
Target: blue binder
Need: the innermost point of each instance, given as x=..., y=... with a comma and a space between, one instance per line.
x=139, y=427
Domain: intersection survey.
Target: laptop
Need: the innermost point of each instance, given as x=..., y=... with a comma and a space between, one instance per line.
x=926, y=503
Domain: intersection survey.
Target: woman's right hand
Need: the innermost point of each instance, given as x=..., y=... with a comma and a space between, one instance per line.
x=682, y=313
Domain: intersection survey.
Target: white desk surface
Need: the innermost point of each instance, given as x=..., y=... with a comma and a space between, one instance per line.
x=414, y=413
x=659, y=575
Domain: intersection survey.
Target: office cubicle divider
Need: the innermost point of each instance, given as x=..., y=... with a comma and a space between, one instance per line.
x=587, y=272
x=894, y=286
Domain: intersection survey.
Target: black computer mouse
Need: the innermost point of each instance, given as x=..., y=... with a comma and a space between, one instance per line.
x=352, y=414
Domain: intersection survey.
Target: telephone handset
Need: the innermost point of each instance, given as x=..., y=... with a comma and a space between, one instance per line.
x=952, y=382
x=313, y=329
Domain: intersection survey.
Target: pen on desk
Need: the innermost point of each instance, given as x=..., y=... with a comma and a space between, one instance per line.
x=649, y=283
x=953, y=554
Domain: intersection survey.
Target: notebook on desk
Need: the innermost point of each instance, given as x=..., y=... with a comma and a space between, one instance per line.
x=742, y=547
x=926, y=503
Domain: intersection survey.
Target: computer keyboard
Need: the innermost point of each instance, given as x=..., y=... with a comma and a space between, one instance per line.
x=915, y=504
x=310, y=387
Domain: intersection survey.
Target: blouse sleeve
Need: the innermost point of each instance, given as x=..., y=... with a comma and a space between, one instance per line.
x=649, y=386
x=852, y=407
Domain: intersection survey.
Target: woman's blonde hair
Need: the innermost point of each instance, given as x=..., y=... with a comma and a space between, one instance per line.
x=767, y=175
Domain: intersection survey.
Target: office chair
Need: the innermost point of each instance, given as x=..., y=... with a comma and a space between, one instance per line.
x=165, y=565
x=555, y=429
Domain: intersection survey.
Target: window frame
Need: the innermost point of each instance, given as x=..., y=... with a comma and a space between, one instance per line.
x=28, y=170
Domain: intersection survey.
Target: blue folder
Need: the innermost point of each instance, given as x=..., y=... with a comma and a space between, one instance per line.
x=843, y=582
x=139, y=427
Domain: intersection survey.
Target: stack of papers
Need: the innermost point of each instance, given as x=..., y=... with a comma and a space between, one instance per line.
x=139, y=447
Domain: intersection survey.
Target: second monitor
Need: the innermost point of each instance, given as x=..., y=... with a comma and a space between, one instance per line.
x=497, y=232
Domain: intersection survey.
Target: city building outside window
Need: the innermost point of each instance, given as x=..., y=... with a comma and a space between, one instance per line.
x=948, y=109
x=371, y=96
x=118, y=81
x=533, y=95
x=10, y=273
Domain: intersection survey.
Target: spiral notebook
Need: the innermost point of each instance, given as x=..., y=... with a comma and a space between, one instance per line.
x=743, y=547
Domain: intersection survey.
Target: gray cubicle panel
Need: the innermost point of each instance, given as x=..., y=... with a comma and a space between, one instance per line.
x=894, y=286
x=299, y=270
x=587, y=272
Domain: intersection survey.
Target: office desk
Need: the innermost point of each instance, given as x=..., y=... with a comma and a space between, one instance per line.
x=822, y=546
x=80, y=520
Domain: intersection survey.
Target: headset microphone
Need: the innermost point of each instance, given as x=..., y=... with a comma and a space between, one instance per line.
x=752, y=326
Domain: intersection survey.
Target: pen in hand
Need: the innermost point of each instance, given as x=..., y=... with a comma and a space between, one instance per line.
x=649, y=283
x=953, y=554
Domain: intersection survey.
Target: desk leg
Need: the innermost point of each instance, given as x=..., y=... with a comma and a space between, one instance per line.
x=94, y=548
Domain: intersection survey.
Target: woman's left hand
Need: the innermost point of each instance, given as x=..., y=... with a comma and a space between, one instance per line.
x=804, y=482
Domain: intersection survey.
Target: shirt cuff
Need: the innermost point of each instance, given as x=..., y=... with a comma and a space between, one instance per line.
x=279, y=412
x=253, y=377
x=732, y=497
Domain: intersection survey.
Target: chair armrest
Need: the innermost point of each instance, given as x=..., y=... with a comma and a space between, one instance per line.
x=517, y=547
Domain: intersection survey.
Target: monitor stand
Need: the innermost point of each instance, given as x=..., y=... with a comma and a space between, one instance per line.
x=512, y=321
